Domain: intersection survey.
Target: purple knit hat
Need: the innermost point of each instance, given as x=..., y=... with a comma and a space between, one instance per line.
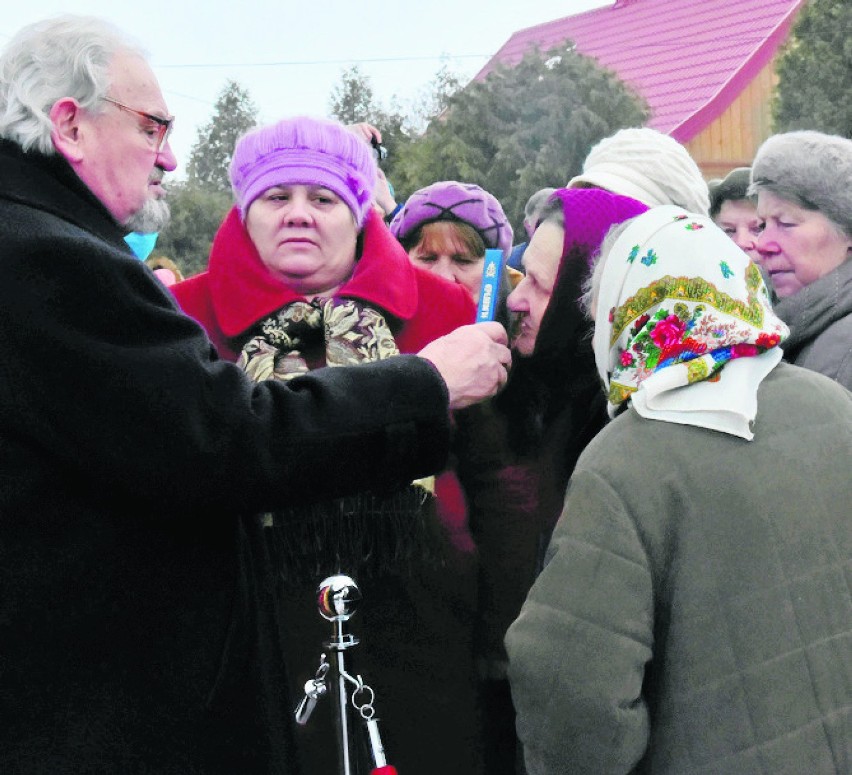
x=589, y=215
x=449, y=200
x=304, y=151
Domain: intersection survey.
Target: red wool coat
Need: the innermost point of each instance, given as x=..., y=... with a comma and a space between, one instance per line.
x=237, y=290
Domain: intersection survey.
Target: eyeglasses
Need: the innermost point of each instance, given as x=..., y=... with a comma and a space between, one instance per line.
x=161, y=128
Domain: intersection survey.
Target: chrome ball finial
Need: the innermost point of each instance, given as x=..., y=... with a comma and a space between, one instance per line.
x=338, y=598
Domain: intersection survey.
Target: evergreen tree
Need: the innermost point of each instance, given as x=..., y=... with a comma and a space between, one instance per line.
x=523, y=128
x=196, y=215
x=435, y=98
x=199, y=204
x=815, y=71
x=351, y=100
x=233, y=114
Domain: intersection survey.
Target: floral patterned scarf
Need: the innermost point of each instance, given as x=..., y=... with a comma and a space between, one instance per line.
x=354, y=333
x=681, y=306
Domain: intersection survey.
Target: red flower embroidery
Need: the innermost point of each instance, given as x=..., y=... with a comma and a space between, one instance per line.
x=743, y=350
x=672, y=351
x=640, y=323
x=668, y=332
x=768, y=341
x=626, y=358
x=693, y=345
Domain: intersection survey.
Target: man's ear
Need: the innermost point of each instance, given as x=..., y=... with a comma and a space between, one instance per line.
x=66, y=115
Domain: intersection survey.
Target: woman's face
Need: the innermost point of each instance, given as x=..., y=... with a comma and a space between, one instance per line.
x=738, y=219
x=442, y=250
x=797, y=246
x=532, y=294
x=305, y=235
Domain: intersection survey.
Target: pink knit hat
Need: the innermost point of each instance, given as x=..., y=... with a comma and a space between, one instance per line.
x=589, y=215
x=304, y=151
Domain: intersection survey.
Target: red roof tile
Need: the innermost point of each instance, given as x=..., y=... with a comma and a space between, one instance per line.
x=689, y=59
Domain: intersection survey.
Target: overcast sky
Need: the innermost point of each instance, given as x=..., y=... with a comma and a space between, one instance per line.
x=289, y=56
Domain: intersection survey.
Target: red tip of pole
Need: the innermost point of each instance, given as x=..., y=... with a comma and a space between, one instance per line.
x=386, y=770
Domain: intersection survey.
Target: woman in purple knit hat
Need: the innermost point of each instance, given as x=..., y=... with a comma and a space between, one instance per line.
x=515, y=466
x=304, y=273
x=446, y=228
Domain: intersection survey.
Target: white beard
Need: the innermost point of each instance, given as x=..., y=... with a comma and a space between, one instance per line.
x=152, y=217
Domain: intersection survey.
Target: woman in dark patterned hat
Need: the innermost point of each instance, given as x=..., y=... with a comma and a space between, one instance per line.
x=734, y=211
x=446, y=228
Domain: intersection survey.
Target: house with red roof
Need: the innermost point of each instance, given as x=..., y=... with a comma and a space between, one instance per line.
x=705, y=69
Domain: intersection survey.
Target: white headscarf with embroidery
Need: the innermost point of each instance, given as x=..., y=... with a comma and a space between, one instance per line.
x=684, y=328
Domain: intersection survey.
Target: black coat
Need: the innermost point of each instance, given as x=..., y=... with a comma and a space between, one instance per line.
x=136, y=602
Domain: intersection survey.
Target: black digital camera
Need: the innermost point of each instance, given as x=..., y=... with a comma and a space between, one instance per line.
x=379, y=151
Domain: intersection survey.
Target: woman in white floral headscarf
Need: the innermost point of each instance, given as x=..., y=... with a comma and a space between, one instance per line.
x=680, y=305
x=692, y=615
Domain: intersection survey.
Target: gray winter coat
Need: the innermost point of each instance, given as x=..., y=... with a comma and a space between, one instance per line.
x=695, y=614
x=820, y=320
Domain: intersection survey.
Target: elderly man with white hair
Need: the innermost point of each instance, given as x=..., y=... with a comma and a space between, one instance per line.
x=137, y=613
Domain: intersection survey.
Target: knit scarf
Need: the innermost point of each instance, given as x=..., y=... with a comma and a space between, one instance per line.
x=363, y=533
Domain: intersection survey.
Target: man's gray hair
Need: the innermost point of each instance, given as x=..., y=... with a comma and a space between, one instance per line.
x=66, y=56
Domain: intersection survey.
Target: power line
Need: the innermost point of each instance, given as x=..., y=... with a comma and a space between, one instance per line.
x=668, y=45
x=308, y=62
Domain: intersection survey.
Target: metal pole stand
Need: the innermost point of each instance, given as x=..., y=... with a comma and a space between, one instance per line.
x=337, y=600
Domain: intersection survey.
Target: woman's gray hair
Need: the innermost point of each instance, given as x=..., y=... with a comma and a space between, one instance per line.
x=732, y=188
x=810, y=169
x=67, y=56
x=592, y=283
x=551, y=211
x=535, y=204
